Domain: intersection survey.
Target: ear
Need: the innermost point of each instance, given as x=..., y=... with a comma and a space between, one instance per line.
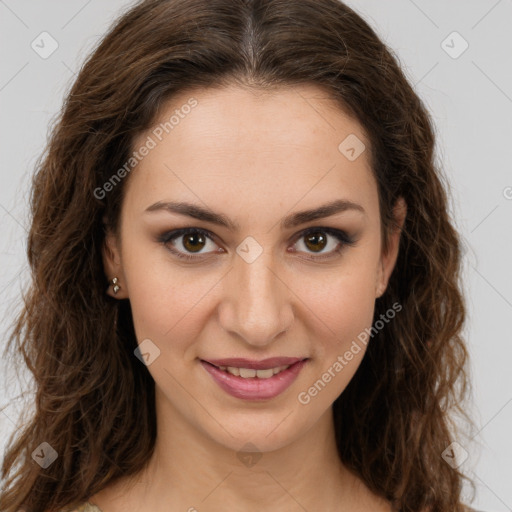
x=112, y=265
x=388, y=259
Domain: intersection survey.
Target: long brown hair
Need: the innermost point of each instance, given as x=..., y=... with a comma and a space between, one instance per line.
x=94, y=401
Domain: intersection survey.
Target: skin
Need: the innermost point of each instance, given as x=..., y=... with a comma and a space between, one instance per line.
x=281, y=156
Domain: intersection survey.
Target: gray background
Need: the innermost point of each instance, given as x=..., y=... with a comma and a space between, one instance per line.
x=469, y=96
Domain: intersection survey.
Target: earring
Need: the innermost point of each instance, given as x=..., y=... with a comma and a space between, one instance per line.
x=115, y=286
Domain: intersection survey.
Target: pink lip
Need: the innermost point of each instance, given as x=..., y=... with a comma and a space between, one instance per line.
x=255, y=388
x=252, y=364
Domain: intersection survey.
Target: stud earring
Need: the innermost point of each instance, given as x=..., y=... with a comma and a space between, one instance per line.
x=115, y=286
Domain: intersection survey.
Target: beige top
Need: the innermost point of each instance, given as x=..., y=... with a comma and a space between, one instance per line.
x=85, y=507
x=89, y=507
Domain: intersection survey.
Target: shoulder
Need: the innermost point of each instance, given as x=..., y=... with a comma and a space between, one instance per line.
x=466, y=508
x=83, y=507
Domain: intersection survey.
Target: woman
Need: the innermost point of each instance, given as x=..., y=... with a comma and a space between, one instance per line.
x=245, y=279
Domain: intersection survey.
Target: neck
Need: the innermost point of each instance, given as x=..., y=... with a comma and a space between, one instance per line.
x=189, y=471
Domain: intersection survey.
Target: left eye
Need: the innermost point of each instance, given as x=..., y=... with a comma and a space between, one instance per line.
x=317, y=239
x=314, y=239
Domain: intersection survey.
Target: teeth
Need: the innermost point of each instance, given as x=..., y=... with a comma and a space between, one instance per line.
x=265, y=374
x=247, y=373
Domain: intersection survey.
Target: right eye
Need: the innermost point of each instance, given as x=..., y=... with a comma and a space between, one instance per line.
x=192, y=239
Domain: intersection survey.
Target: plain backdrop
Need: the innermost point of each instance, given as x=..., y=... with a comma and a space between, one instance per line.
x=457, y=55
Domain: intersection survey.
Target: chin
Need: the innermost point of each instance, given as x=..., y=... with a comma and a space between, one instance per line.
x=257, y=432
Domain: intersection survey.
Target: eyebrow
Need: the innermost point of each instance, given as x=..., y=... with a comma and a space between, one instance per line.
x=291, y=221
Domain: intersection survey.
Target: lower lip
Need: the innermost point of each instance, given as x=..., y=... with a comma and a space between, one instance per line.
x=254, y=388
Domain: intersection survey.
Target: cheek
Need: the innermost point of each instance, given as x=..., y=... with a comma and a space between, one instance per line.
x=163, y=296
x=340, y=302
x=339, y=311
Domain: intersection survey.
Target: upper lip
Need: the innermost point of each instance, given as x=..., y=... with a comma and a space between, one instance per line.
x=264, y=364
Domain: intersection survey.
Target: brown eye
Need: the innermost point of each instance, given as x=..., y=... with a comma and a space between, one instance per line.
x=194, y=242
x=316, y=241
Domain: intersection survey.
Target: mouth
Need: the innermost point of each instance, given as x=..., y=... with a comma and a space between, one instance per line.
x=254, y=380
x=245, y=367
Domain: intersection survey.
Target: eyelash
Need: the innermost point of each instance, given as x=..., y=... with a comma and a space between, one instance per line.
x=342, y=236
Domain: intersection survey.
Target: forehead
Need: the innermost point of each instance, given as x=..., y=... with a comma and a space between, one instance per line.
x=248, y=146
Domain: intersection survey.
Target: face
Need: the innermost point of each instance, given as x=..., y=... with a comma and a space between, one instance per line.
x=257, y=274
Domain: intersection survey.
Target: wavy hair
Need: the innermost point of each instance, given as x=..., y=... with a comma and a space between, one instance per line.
x=94, y=401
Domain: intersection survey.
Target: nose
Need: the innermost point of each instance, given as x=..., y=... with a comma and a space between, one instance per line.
x=256, y=303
